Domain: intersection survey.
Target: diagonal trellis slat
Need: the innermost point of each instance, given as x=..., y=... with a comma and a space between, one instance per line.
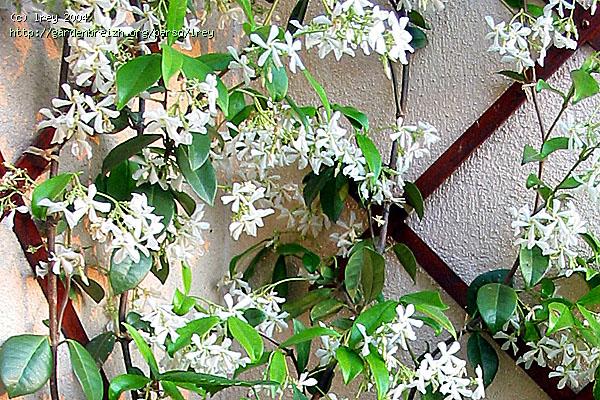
x=589, y=28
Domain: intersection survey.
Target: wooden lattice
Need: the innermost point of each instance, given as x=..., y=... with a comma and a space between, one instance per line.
x=589, y=29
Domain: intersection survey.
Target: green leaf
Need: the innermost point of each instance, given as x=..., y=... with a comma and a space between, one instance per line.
x=414, y=198
x=277, y=367
x=172, y=61
x=216, y=61
x=162, y=201
x=203, y=181
x=211, y=383
x=333, y=196
x=186, y=201
x=297, y=14
x=302, y=349
x=319, y=90
x=325, y=308
x=481, y=353
x=417, y=19
x=419, y=37
x=234, y=260
x=193, y=68
x=591, y=298
x=515, y=76
x=495, y=276
x=372, y=319
x=186, y=277
x=125, y=150
x=358, y=119
x=50, y=189
x=279, y=274
x=144, y=349
x=247, y=7
x=196, y=327
x=175, y=17
x=530, y=155
x=171, y=390
x=247, y=337
x=435, y=317
x=372, y=274
x=426, y=297
x=299, y=306
x=125, y=383
x=128, y=274
x=135, y=76
x=120, y=183
x=25, y=364
x=496, y=303
x=560, y=318
x=584, y=84
x=297, y=394
x=591, y=318
x=533, y=265
x=407, y=259
x=278, y=85
x=199, y=150
x=379, y=372
x=182, y=303
x=86, y=371
x=554, y=144
x=92, y=288
x=101, y=346
x=350, y=363
x=371, y=153
x=353, y=271
x=308, y=334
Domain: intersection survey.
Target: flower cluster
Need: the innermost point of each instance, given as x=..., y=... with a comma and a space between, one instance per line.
x=555, y=229
x=526, y=38
x=15, y=181
x=78, y=116
x=352, y=24
x=188, y=237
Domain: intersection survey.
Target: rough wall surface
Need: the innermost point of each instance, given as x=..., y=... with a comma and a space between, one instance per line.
x=466, y=221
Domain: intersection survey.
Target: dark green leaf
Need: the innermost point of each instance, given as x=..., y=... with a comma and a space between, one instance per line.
x=379, y=372
x=299, y=306
x=162, y=201
x=417, y=19
x=495, y=276
x=279, y=274
x=86, y=371
x=407, y=259
x=216, y=61
x=93, y=288
x=372, y=274
x=533, y=265
x=186, y=201
x=372, y=319
x=496, y=303
x=481, y=353
x=297, y=14
x=101, y=346
x=419, y=37
x=325, y=308
x=584, y=84
x=135, y=76
x=333, y=196
x=120, y=183
x=427, y=297
x=144, y=349
x=302, y=349
x=203, y=180
x=516, y=76
x=307, y=335
x=124, y=150
x=414, y=198
x=25, y=364
x=195, y=69
x=320, y=92
x=211, y=383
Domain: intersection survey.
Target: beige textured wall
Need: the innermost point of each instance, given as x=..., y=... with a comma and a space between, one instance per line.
x=466, y=220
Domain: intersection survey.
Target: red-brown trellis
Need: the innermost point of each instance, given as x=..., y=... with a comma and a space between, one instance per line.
x=589, y=28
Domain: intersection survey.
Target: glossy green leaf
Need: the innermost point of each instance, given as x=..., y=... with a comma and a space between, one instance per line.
x=280, y=274
x=371, y=154
x=533, y=265
x=277, y=367
x=350, y=363
x=379, y=372
x=308, y=334
x=496, y=303
x=120, y=183
x=199, y=150
x=211, y=383
x=175, y=17
x=185, y=201
x=86, y=371
x=128, y=274
x=495, y=276
x=372, y=274
x=162, y=201
x=144, y=349
x=298, y=13
x=195, y=69
x=247, y=337
x=417, y=19
x=25, y=364
x=247, y=7
x=407, y=259
x=203, y=181
x=172, y=61
x=325, y=308
x=126, y=149
x=125, y=383
x=372, y=319
x=101, y=346
x=426, y=297
x=560, y=317
x=301, y=305
x=584, y=85
x=196, y=327
x=216, y=61
x=414, y=198
x=171, y=390
x=135, y=76
x=515, y=76
x=277, y=87
x=302, y=349
x=50, y=189
x=333, y=196
x=591, y=298
x=319, y=90
x=481, y=353
x=358, y=119
x=92, y=288
x=419, y=37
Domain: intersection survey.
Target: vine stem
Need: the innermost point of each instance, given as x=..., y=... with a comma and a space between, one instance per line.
x=124, y=341
x=54, y=323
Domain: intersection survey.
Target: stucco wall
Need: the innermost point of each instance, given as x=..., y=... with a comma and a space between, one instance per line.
x=466, y=221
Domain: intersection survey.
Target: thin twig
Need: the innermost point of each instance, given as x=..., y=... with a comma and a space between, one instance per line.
x=125, y=342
